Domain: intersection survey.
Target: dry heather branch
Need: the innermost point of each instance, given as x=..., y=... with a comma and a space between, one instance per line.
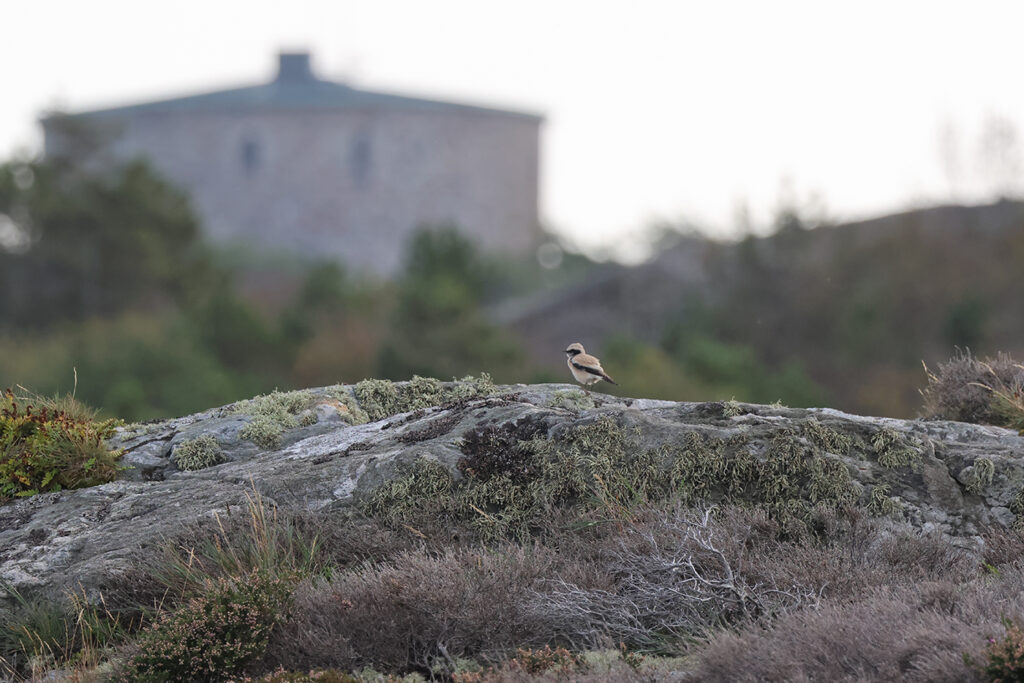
x=671, y=582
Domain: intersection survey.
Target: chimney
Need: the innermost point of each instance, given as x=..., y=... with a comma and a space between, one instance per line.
x=293, y=67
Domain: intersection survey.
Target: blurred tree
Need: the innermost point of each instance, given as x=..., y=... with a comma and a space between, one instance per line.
x=439, y=328
x=95, y=241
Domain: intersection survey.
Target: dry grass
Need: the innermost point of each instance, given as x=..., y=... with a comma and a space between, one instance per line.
x=910, y=632
x=417, y=612
x=727, y=589
x=980, y=391
x=71, y=635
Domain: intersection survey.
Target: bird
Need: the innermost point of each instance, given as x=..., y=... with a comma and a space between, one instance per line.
x=585, y=368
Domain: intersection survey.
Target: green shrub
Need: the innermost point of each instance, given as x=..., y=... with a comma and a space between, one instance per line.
x=52, y=444
x=1005, y=657
x=212, y=636
x=198, y=453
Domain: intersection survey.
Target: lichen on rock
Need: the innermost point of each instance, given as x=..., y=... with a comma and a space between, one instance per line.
x=571, y=399
x=277, y=412
x=198, y=453
x=894, y=449
x=382, y=398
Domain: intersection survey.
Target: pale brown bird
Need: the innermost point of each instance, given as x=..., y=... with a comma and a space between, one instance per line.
x=585, y=368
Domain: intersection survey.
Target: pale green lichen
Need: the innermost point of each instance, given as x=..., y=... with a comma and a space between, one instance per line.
x=198, y=453
x=881, y=504
x=348, y=407
x=382, y=398
x=378, y=398
x=515, y=474
x=894, y=449
x=571, y=399
x=273, y=414
x=1017, y=508
x=732, y=408
x=279, y=411
x=981, y=475
x=826, y=438
x=511, y=483
x=470, y=387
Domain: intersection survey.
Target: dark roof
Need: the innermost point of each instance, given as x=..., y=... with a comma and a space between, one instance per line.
x=296, y=87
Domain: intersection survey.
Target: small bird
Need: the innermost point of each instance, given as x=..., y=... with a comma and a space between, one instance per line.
x=585, y=368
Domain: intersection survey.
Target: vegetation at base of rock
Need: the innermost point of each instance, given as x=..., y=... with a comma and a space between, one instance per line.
x=43, y=632
x=198, y=453
x=51, y=444
x=381, y=398
x=424, y=607
x=558, y=662
x=213, y=635
x=1004, y=657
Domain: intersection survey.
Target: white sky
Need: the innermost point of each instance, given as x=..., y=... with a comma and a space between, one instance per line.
x=655, y=110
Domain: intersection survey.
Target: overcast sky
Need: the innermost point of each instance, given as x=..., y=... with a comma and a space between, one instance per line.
x=678, y=111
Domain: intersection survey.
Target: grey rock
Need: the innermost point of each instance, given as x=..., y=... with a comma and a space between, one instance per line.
x=55, y=542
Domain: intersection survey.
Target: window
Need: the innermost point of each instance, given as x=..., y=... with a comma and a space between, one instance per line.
x=359, y=159
x=250, y=156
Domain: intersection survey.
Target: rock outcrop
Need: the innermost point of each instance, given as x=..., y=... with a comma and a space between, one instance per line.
x=948, y=477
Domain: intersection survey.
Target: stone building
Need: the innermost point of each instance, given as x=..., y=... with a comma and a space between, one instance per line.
x=325, y=169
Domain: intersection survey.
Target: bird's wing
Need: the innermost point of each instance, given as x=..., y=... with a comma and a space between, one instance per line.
x=587, y=363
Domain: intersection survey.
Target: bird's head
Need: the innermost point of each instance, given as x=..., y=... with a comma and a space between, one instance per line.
x=574, y=349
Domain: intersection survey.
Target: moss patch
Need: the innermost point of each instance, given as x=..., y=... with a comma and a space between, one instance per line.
x=881, y=504
x=826, y=438
x=793, y=481
x=514, y=475
x=980, y=476
x=51, y=444
x=381, y=398
x=571, y=399
x=895, y=450
x=198, y=453
x=279, y=411
x=732, y=408
x=272, y=415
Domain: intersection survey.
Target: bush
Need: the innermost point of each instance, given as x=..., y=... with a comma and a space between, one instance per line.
x=52, y=444
x=1005, y=657
x=418, y=611
x=214, y=634
x=979, y=391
